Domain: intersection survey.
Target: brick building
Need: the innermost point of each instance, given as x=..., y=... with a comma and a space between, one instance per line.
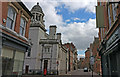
x=14, y=28
x=80, y=63
x=87, y=58
x=72, y=52
x=97, y=62
x=109, y=37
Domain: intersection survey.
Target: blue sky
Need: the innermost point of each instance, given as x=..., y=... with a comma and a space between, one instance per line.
x=83, y=15
x=77, y=16
x=75, y=20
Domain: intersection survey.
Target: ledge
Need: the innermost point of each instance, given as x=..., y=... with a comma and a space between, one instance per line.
x=13, y=32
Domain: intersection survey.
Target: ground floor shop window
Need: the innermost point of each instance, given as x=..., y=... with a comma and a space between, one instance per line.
x=12, y=61
x=7, y=64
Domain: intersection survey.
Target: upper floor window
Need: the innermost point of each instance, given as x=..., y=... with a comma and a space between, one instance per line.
x=109, y=15
x=114, y=10
x=47, y=49
x=22, y=26
x=11, y=17
x=102, y=33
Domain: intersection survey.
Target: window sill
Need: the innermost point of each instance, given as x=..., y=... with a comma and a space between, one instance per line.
x=13, y=32
x=22, y=37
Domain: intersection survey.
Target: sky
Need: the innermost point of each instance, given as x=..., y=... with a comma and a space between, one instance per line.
x=75, y=20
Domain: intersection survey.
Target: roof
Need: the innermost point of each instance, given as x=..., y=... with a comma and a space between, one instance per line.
x=25, y=8
x=37, y=8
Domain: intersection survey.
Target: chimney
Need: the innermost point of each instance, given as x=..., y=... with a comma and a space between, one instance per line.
x=59, y=36
x=52, y=32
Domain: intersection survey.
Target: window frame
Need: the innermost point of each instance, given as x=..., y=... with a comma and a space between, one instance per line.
x=23, y=27
x=109, y=17
x=13, y=20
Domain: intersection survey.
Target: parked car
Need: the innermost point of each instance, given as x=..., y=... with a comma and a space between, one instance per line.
x=85, y=69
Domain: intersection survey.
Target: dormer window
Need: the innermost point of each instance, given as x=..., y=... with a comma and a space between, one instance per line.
x=11, y=17
x=22, y=26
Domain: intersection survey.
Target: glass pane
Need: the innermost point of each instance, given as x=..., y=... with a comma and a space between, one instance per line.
x=22, y=25
x=20, y=30
x=16, y=66
x=109, y=17
x=11, y=13
x=9, y=23
x=22, y=22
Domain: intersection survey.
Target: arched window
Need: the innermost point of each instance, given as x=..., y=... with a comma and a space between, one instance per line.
x=11, y=17
x=22, y=26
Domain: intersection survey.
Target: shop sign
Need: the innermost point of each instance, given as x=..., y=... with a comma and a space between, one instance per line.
x=112, y=38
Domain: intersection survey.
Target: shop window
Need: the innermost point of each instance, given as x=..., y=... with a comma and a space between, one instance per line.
x=11, y=17
x=22, y=26
x=7, y=64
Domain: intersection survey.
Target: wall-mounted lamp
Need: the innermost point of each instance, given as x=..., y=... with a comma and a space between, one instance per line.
x=4, y=20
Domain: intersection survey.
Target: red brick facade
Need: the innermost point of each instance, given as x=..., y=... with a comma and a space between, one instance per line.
x=97, y=63
x=87, y=58
x=72, y=56
x=21, y=12
x=109, y=39
x=14, y=18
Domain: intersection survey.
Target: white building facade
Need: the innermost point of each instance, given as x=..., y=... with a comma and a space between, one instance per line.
x=46, y=49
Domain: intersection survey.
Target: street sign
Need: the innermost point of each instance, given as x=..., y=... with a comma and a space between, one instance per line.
x=92, y=60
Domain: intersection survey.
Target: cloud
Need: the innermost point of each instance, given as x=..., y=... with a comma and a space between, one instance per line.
x=89, y=5
x=76, y=19
x=80, y=33
x=81, y=56
x=67, y=20
x=51, y=17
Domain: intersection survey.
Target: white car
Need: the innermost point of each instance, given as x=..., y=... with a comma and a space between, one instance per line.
x=85, y=69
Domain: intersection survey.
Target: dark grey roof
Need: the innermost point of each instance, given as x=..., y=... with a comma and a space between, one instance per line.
x=37, y=8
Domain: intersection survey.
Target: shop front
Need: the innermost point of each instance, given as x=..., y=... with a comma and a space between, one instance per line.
x=110, y=55
x=12, y=53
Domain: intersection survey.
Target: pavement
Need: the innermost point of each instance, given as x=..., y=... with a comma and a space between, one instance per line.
x=81, y=73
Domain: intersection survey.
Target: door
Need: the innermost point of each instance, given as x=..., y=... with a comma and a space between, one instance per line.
x=45, y=64
x=113, y=64
x=26, y=69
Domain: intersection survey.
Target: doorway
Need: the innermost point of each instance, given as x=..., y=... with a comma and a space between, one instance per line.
x=45, y=64
x=26, y=69
x=113, y=65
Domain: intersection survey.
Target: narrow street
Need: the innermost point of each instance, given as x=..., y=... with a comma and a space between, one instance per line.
x=81, y=72
x=76, y=73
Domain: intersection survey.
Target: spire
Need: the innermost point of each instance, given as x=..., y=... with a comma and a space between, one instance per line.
x=37, y=3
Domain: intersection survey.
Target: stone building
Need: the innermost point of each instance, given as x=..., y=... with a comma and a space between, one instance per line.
x=14, y=28
x=109, y=37
x=47, y=51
